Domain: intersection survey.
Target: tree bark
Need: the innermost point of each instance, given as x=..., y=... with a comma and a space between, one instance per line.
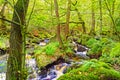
x=15, y=61
x=100, y=5
x=67, y=19
x=58, y=23
x=92, y=31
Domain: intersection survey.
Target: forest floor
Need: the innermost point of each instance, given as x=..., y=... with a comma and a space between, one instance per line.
x=45, y=61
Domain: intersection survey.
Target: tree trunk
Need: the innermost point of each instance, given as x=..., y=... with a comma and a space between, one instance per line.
x=100, y=5
x=15, y=61
x=52, y=12
x=2, y=12
x=67, y=19
x=81, y=20
x=111, y=13
x=92, y=31
x=58, y=23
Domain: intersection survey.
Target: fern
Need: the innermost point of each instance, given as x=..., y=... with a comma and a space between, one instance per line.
x=115, y=51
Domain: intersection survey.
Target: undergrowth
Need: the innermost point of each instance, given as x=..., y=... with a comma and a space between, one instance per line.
x=92, y=70
x=49, y=49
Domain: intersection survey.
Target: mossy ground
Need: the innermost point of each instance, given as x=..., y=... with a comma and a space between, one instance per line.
x=92, y=70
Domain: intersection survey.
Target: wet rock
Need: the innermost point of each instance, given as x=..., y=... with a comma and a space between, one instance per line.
x=80, y=48
x=2, y=51
x=82, y=55
x=42, y=43
x=58, y=61
x=32, y=75
x=54, y=70
x=46, y=40
x=95, y=55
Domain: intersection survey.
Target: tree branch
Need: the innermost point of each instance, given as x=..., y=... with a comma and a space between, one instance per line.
x=9, y=21
x=73, y=22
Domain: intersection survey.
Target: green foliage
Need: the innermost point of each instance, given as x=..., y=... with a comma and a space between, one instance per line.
x=92, y=70
x=115, y=52
x=4, y=42
x=67, y=47
x=68, y=50
x=91, y=41
x=84, y=38
x=49, y=49
x=38, y=50
x=1, y=2
x=111, y=54
x=103, y=45
x=95, y=46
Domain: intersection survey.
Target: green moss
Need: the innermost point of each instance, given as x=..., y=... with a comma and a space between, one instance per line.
x=78, y=77
x=46, y=53
x=3, y=42
x=40, y=58
x=92, y=70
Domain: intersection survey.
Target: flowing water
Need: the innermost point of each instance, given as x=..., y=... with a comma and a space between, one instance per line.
x=51, y=73
x=3, y=66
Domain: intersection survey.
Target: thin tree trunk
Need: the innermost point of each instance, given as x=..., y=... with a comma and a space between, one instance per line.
x=113, y=7
x=92, y=31
x=67, y=19
x=100, y=5
x=15, y=61
x=58, y=23
x=81, y=20
x=111, y=16
x=52, y=12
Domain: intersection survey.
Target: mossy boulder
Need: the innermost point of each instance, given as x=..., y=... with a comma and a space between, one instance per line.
x=48, y=53
x=40, y=58
x=92, y=70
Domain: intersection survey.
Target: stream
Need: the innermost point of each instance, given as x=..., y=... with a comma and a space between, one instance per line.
x=51, y=71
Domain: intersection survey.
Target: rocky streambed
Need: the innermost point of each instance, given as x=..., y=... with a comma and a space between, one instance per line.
x=58, y=67
x=51, y=71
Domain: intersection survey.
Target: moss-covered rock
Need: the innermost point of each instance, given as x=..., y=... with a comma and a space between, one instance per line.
x=48, y=53
x=42, y=57
x=92, y=70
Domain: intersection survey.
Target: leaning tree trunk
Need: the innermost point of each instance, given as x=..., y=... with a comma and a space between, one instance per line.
x=111, y=13
x=58, y=23
x=67, y=19
x=15, y=61
x=81, y=20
